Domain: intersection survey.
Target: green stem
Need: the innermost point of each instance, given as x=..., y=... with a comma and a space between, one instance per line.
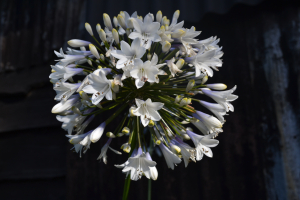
x=149, y=188
x=126, y=188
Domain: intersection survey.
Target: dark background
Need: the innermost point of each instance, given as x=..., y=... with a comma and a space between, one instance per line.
x=258, y=156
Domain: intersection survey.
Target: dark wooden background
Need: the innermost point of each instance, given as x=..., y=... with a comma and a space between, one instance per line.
x=258, y=156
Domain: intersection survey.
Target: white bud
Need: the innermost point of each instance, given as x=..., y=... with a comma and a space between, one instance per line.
x=120, y=134
x=158, y=16
x=165, y=21
x=94, y=51
x=166, y=46
x=175, y=149
x=185, y=136
x=110, y=135
x=130, y=23
x=130, y=111
x=185, y=101
x=89, y=28
x=121, y=21
x=97, y=133
x=107, y=21
x=76, y=110
x=102, y=57
x=98, y=28
x=115, y=20
x=90, y=62
x=140, y=17
x=178, y=33
x=180, y=63
x=126, y=147
x=204, y=79
x=115, y=36
x=217, y=86
x=78, y=43
x=167, y=27
x=189, y=129
x=126, y=130
x=102, y=35
x=149, y=56
x=176, y=15
x=122, y=14
x=128, y=31
x=190, y=85
x=178, y=98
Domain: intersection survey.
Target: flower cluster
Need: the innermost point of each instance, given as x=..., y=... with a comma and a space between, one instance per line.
x=148, y=71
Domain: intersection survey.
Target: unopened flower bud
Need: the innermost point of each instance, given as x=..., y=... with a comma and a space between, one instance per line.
x=107, y=21
x=102, y=57
x=122, y=14
x=115, y=20
x=126, y=147
x=128, y=31
x=52, y=70
x=130, y=111
x=126, y=130
x=204, y=79
x=121, y=21
x=166, y=46
x=217, y=86
x=165, y=21
x=94, y=51
x=99, y=67
x=185, y=136
x=190, y=85
x=178, y=33
x=89, y=28
x=158, y=16
x=157, y=142
x=176, y=15
x=130, y=23
x=178, y=98
x=120, y=134
x=78, y=43
x=189, y=129
x=90, y=62
x=110, y=135
x=140, y=17
x=97, y=133
x=149, y=56
x=175, y=149
x=102, y=35
x=180, y=63
x=184, y=102
x=151, y=123
x=84, y=96
x=115, y=36
x=98, y=28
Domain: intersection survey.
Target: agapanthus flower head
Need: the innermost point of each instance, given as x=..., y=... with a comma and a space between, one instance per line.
x=149, y=72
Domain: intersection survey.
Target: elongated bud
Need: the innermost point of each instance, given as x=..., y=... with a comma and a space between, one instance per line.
x=126, y=147
x=130, y=23
x=120, y=134
x=149, y=56
x=184, y=102
x=185, y=136
x=189, y=129
x=217, y=86
x=94, y=51
x=166, y=46
x=98, y=28
x=176, y=15
x=126, y=130
x=122, y=14
x=180, y=63
x=89, y=28
x=102, y=35
x=107, y=21
x=165, y=21
x=128, y=31
x=97, y=133
x=52, y=70
x=115, y=36
x=130, y=111
x=84, y=96
x=90, y=62
x=204, y=79
x=190, y=85
x=158, y=16
x=175, y=149
x=178, y=98
x=102, y=57
x=121, y=21
x=115, y=20
x=110, y=135
x=151, y=123
x=78, y=43
x=178, y=33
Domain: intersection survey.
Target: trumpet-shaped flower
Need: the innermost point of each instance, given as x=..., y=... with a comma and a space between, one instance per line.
x=104, y=150
x=147, y=110
x=171, y=158
x=64, y=90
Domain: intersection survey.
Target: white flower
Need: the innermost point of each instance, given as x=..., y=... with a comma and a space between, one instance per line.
x=187, y=35
x=80, y=141
x=203, y=61
x=171, y=158
x=146, y=31
x=209, y=43
x=143, y=72
x=64, y=90
x=65, y=105
x=222, y=97
x=139, y=165
x=104, y=150
x=64, y=72
x=147, y=110
x=172, y=67
x=188, y=153
x=153, y=170
x=97, y=133
x=70, y=121
x=209, y=121
x=99, y=86
x=128, y=53
x=202, y=144
x=78, y=43
x=218, y=110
